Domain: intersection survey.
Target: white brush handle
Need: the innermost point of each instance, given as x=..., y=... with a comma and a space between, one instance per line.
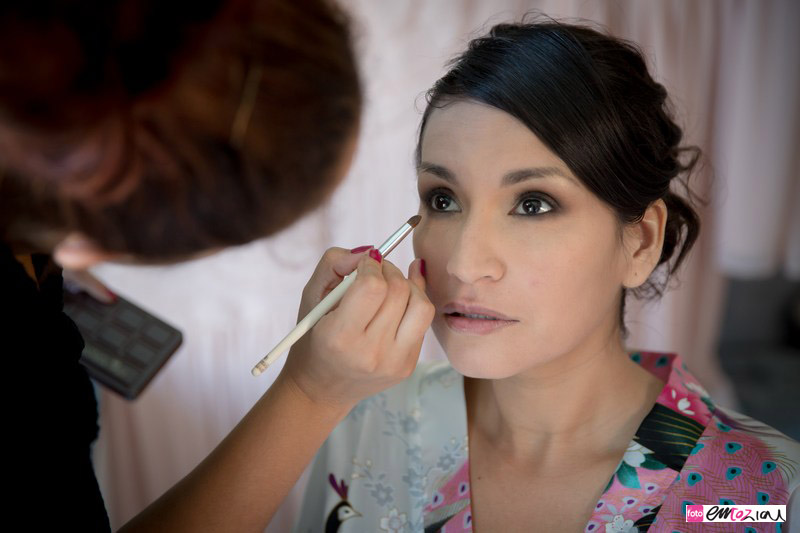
x=331, y=299
x=307, y=323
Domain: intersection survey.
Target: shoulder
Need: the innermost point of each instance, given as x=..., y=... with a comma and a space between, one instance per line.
x=761, y=449
x=719, y=456
x=377, y=457
x=736, y=461
x=735, y=448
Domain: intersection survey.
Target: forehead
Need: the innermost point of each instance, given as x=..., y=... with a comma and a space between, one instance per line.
x=470, y=136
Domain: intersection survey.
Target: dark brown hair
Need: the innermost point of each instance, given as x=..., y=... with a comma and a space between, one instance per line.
x=590, y=99
x=161, y=129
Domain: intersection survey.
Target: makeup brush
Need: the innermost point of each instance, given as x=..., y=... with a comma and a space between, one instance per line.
x=331, y=299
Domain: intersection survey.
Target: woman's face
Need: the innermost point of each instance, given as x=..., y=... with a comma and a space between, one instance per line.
x=508, y=231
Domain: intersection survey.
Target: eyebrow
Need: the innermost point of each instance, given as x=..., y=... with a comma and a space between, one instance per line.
x=512, y=178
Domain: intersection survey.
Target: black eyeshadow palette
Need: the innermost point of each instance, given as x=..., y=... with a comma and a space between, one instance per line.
x=125, y=345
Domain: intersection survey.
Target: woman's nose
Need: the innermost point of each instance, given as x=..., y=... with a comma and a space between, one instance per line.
x=473, y=255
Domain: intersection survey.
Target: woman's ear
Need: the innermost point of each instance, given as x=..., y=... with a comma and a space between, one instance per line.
x=78, y=252
x=643, y=242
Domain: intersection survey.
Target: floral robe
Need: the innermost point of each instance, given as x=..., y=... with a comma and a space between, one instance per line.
x=399, y=462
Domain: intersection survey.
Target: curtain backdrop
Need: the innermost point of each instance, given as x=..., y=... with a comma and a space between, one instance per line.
x=733, y=71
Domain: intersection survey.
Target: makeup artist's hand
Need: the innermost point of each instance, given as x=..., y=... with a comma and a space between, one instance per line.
x=371, y=340
x=83, y=280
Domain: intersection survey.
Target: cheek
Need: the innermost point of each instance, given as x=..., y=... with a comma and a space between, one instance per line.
x=430, y=243
x=419, y=239
x=573, y=280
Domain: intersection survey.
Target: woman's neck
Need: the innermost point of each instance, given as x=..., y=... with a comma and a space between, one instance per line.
x=594, y=398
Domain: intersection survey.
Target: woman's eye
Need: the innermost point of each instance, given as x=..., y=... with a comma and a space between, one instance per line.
x=533, y=205
x=439, y=201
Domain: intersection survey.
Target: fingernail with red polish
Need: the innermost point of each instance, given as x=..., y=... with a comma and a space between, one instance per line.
x=422, y=267
x=360, y=249
x=112, y=296
x=376, y=255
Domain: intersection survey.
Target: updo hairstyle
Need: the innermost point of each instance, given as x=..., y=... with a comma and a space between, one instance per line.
x=590, y=99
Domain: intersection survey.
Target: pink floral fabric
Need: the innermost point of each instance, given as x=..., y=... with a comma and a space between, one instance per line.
x=454, y=496
x=686, y=451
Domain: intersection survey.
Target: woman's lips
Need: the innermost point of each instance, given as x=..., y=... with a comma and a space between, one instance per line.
x=472, y=319
x=476, y=326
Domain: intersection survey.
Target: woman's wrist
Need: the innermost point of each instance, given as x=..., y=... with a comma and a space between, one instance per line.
x=323, y=409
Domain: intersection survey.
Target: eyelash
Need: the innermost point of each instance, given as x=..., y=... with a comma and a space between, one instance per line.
x=527, y=195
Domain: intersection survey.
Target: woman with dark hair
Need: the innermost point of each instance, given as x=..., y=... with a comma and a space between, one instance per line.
x=147, y=131
x=547, y=163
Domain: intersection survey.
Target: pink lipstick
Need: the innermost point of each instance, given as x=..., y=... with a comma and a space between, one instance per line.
x=475, y=320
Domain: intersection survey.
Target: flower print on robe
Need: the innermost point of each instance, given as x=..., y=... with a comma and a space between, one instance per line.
x=403, y=456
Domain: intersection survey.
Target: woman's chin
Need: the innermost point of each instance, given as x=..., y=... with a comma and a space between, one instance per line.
x=477, y=365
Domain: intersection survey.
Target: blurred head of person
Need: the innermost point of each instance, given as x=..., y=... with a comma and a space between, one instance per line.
x=155, y=131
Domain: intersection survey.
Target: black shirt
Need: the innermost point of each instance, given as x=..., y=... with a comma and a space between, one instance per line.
x=51, y=411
